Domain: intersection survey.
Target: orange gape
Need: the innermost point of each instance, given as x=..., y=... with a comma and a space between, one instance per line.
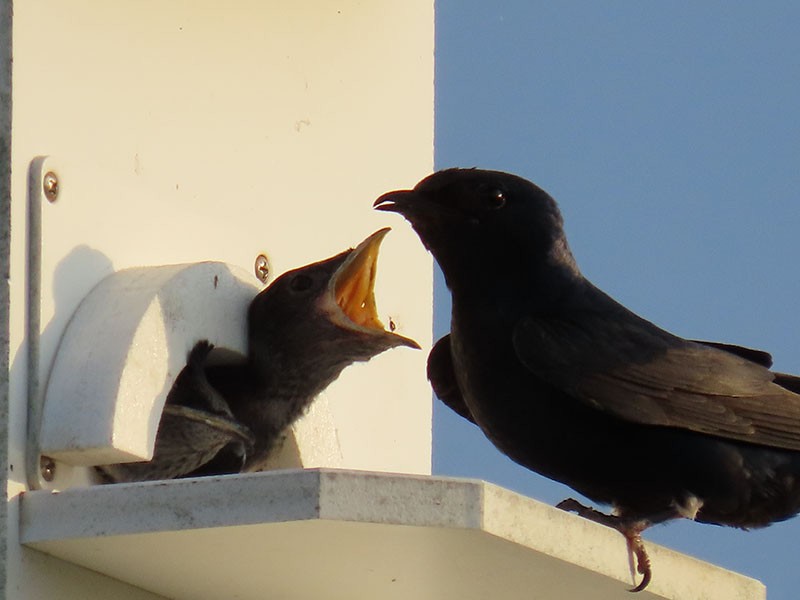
x=354, y=290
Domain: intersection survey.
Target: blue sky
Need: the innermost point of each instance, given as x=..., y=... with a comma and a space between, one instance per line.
x=669, y=133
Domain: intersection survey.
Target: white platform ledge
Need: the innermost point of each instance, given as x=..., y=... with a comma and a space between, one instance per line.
x=350, y=535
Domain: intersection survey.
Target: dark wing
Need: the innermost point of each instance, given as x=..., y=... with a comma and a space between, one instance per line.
x=443, y=378
x=197, y=410
x=192, y=388
x=757, y=356
x=627, y=366
x=789, y=382
x=786, y=381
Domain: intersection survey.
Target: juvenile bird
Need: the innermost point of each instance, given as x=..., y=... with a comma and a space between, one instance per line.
x=304, y=329
x=569, y=383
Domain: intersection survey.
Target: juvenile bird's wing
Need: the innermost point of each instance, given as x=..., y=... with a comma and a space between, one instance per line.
x=629, y=367
x=443, y=378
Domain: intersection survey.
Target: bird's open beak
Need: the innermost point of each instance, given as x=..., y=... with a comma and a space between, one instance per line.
x=353, y=288
x=398, y=201
x=354, y=282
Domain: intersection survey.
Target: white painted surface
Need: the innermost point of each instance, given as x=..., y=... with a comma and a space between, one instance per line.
x=350, y=536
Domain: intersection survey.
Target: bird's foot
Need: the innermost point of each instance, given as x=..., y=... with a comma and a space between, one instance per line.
x=631, y=529
x=572, y=505
x=636, y=548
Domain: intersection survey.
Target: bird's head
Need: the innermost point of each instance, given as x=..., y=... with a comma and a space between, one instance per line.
x=323, y=314
x=487, y=219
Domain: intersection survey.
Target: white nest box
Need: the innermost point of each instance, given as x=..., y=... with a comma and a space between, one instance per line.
x=123, y=349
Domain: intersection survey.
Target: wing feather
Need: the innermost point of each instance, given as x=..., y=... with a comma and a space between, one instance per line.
x=636, y=371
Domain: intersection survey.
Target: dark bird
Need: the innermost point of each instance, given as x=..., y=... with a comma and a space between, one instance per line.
x=569, y=383
x=195, y=425
x=303, y=330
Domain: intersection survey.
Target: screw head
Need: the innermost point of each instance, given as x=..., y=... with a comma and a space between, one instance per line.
x=47, y=467
x=50, y=186
x=262, y=268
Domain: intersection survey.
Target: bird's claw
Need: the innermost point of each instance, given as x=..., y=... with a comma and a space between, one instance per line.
x=636, y=548
x=631, y=529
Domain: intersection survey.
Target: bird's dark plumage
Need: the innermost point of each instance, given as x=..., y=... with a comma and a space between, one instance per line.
x=571, y=384
x=195, y=425
x=303, y=330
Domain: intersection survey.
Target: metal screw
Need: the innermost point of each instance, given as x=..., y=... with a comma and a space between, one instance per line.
x=50, y=186
x=262, y=268
x=47, y=467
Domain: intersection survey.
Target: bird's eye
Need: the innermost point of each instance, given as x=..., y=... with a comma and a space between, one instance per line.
x=497, y=199
x=301, y=283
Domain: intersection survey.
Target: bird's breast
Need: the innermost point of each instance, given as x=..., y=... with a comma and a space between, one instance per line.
x=505, y=399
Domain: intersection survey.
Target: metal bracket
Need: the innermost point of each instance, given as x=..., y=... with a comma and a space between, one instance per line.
x=43, y=188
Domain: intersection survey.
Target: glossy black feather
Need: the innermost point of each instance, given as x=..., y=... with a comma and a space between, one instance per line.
x=443, y=379
x=650, y=377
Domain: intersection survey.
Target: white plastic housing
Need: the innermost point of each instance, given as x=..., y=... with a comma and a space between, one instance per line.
x=124, y=347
